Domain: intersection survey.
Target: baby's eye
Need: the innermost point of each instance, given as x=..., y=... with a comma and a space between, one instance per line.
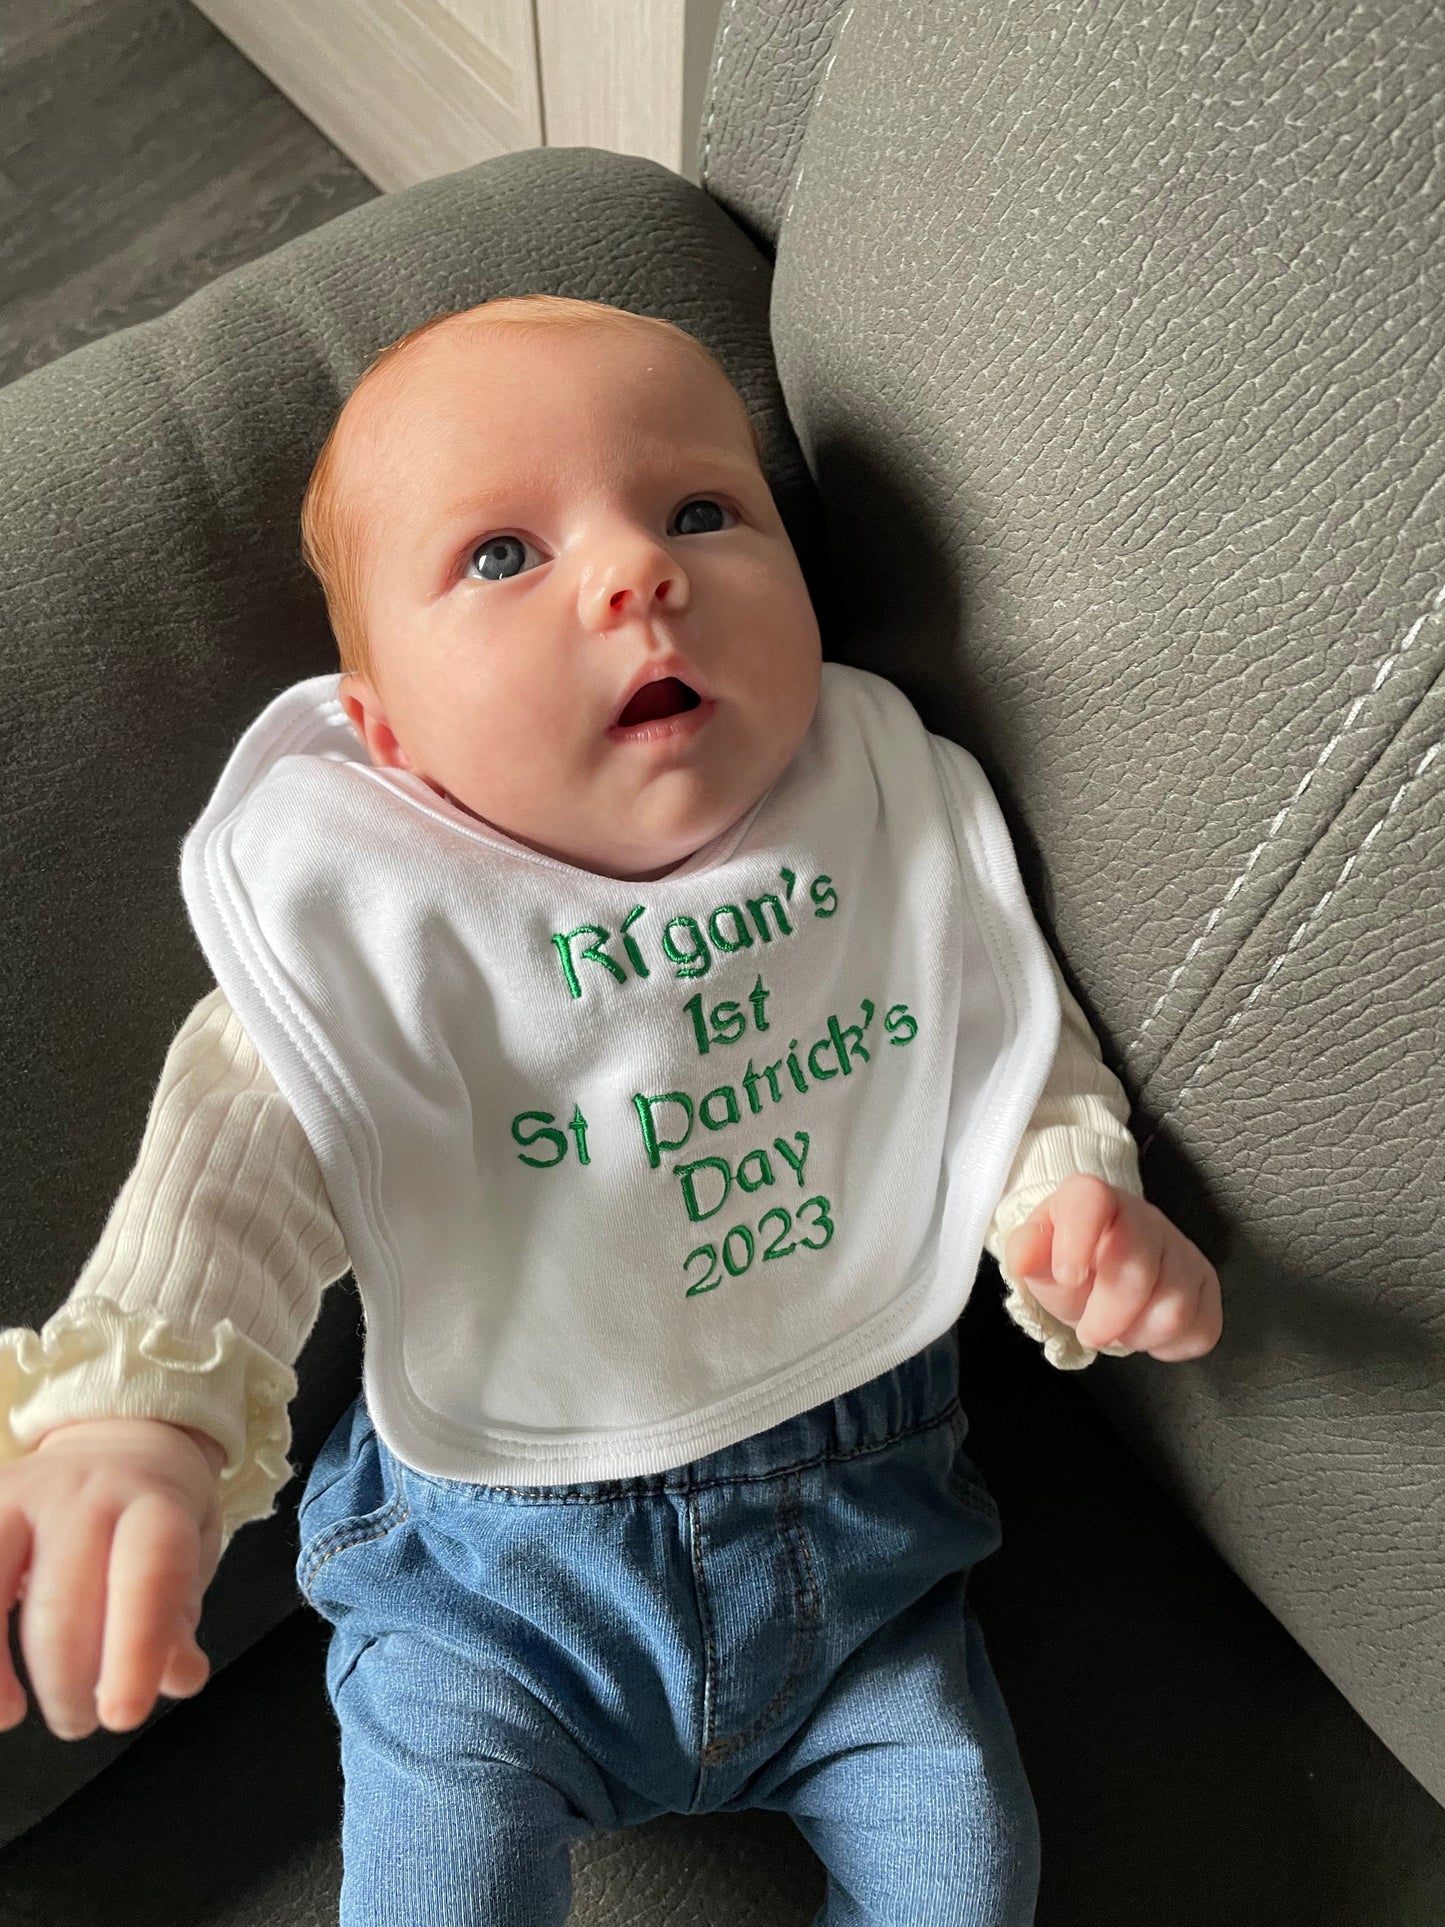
x=702, y=517
x=501, y=556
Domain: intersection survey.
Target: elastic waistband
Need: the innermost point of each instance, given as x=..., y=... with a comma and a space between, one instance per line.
x=907, y=1398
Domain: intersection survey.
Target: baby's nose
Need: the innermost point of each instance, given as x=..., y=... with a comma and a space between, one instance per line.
x=631, y=592
x=665, y=591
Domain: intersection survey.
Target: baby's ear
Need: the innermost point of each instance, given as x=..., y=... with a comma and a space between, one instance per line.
x=368, y=718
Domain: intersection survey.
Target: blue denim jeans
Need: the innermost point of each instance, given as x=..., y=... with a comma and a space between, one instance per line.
x=782, y=1624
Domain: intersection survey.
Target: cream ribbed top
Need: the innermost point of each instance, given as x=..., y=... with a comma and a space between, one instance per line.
x=207, y=1279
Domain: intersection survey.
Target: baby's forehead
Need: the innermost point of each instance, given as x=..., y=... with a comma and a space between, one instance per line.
x=393, y=414
x=420, y=375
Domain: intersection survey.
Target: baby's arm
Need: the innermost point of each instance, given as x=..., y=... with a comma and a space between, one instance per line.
x=206, y=1279
x=171, y=1360
x=1087, y=1261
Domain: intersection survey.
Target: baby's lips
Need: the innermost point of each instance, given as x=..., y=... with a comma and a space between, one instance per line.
x=675, y=666
x=663, y=696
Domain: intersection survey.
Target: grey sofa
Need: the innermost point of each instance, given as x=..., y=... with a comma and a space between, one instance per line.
x=1097, y=354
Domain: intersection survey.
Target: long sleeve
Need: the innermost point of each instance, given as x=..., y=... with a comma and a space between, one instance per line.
x=1081, y=1123
x=207, y=1278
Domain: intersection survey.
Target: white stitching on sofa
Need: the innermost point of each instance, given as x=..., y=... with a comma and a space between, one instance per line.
x=1420, y=768
x=1272, y=831
x=712, y=94
x=815, y=104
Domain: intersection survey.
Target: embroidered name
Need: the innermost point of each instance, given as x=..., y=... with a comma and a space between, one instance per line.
x=685, y=943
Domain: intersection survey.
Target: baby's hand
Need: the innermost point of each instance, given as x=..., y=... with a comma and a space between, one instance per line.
x=110, y=1532
x=1115, y=1268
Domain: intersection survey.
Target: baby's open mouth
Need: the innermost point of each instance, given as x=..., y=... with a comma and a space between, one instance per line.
x=665, y=697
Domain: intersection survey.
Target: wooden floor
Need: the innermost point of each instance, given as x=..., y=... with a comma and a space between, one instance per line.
x=140, y=156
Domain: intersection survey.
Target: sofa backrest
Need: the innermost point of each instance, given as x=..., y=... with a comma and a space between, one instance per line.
x=1113, y=339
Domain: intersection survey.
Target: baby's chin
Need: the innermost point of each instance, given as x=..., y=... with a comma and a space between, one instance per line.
x=648, y=858
x=648, y=836
x=638, y=865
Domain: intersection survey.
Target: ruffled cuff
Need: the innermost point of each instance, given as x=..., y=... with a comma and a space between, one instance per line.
x=96, y=1359
x=1060, y=1345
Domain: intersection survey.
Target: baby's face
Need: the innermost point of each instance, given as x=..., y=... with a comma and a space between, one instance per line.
x=549, y=520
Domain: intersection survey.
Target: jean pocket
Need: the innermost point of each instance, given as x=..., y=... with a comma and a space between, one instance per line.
x=343, y=1535
x=353, y=1506
x=312, y=1505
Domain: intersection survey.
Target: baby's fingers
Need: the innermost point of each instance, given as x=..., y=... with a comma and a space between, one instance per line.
x=1083, y=1209
x=62, y=1616
x=1184, y=1318
x=152, y=1609
x=1072, y=1223
x=1127, y=1272
x=1028, y=1254
x=1028, y=1250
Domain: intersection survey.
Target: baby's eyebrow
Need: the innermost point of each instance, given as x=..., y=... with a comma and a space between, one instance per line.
x=470, y=509
x=712, y=461
x=716, y=458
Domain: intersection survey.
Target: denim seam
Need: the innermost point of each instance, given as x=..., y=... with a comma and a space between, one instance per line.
x=807, y=1600
x=704, y=1608
x=375, y=1526
x=614, y=1489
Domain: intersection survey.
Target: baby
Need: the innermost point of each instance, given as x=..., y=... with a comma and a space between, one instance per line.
x=651, y=1017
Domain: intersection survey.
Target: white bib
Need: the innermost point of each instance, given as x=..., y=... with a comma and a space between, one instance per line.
x=629, y=1171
